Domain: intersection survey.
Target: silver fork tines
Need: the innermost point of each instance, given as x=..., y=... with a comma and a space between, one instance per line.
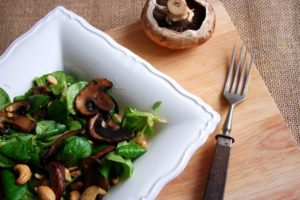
x=236, y=87
x=232, y=86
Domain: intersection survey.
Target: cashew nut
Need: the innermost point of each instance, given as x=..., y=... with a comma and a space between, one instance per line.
x=52, y=80
x=74, y=195
x=39, y=176
x=45, y=193
x=118, y=116
x=68, y=175
x=115, y=181
x=24, y=173
x=143, y=143
x=73, y=168
x=92, y=192
x=76, y=173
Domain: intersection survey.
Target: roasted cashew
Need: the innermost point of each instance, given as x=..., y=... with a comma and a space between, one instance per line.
x=115, y=181
x=74, y=195
x=76, y=173
x=52, y=80
x=39, y=176
x=45, y=193
x=68, y=175
x=24, y=173
x=92, y=192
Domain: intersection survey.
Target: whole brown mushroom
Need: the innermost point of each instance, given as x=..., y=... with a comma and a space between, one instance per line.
x=178, y=24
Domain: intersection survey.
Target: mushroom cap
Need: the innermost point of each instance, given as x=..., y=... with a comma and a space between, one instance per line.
x=56, y=171
x=174, y=39
x=13, y=115
x=108, y=131
x=93, y=97
x=21, y=122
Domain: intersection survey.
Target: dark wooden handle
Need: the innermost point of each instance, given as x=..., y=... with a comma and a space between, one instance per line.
x=217, y=178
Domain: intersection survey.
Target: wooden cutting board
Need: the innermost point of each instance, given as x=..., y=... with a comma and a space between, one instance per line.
x=265, y=159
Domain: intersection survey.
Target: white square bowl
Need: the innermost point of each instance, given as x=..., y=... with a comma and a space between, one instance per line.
x=63, y=40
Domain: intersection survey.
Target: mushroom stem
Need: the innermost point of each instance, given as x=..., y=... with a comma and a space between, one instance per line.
x=179, y=11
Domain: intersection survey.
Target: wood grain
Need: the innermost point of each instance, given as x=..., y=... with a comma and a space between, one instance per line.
x=265, y=159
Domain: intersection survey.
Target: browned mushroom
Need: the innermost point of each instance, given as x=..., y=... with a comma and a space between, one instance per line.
x=13, y=115
x=93, y=97
x=18, y=107
x=178, y=24
x=21, y=122
x=56, y=172
x=40, y=90
x=90, y=165
x=108, y=130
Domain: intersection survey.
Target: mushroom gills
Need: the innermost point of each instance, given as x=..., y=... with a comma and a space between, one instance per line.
x=180, y=26
x=108, y=131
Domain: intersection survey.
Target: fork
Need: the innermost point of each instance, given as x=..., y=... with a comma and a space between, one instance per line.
x=235, y=91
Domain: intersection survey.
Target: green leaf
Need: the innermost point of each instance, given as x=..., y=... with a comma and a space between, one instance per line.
x=131, y=151
x=19, y=98
x=28, y=93
x=75, y=148
x=61, y=85
x=63, y=81
x=6, y=162
x=38, y=101
x=46, y=128
x=133, y=121
x=21, y=147
x=11, y=190
x=70, y=79
x=140, y=121
x=150, y=121
x=74, y=125
x=71, y=93
x=123, y=143
x=156, y=105
x=148, y=131
x=57, y=110
x=30, y=196
x=105, y=169
x=41, y=81
x=126, y=163
x=4, y=99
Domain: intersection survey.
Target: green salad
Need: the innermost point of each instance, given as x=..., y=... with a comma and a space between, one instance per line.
x=66, y=139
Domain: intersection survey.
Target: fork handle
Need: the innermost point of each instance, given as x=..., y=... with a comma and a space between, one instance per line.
x=217, y=178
